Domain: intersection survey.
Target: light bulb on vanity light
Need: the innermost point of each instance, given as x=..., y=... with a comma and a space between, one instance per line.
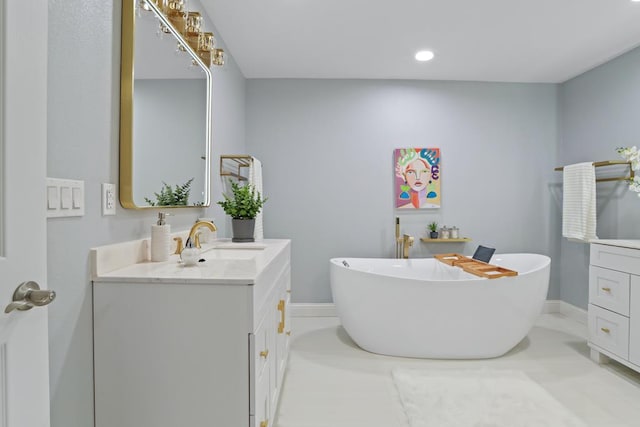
x=424, y=55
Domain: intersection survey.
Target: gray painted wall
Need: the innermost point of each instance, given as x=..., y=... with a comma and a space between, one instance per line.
x=599, y=112
x=83, y=104
x=327, y=146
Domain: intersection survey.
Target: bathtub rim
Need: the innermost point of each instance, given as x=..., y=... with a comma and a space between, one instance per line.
x=337, y=261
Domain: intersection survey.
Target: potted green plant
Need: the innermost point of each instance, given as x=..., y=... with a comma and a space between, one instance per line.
x=433, y=228
x=242, y=207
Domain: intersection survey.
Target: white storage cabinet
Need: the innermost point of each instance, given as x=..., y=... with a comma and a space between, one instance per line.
x=191, y=354
x=614, y=304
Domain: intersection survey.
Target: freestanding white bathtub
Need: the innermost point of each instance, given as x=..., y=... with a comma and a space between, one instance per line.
x=424, y=308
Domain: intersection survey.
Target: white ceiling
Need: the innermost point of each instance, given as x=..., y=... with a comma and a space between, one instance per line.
x=490, y=40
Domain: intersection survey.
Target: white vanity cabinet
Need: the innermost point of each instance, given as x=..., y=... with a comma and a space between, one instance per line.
x=192, y=346
x=614, y=302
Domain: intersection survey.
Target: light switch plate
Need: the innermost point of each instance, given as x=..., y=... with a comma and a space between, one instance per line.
x=108, y=199
x=53, y=198
x=65, y=197
x=78, y=198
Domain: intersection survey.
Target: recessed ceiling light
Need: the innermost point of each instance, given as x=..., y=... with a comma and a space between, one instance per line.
x=427, y=55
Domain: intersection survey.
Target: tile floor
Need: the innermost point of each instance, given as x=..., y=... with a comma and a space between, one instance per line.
x=330, y=382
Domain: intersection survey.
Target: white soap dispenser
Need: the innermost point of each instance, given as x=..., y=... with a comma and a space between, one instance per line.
x=160, y=233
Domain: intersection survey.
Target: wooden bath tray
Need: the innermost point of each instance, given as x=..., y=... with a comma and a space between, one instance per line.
x=452, y=259
x=475, y=267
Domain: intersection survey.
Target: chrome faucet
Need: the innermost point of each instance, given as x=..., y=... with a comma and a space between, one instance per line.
x=193, y=233
x=407, y=241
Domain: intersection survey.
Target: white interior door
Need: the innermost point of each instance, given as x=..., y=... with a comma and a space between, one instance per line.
x=24, y=365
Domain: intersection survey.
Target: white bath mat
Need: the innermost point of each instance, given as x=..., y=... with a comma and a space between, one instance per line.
x=474, y=398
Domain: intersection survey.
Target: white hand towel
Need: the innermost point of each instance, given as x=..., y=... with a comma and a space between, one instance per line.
x=255, y=179
x=579, y=202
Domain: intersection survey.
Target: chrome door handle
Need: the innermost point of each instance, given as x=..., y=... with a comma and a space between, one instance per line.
x=28, y=295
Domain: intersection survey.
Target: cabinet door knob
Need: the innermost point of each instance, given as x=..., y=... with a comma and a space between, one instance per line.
x=605, y=330
x=264, y=353
x=264, y=423
x=288, y=333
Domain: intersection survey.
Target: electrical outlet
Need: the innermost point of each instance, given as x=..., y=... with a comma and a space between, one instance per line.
x=108, y=199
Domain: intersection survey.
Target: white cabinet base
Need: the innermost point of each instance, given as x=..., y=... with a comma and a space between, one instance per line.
x=180, y=352
x=614, y=302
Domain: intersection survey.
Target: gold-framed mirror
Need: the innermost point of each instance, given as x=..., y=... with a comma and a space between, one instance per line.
x=2, y=152
x=165, y=108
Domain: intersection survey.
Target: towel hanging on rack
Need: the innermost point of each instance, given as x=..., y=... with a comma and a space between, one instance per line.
x=610, y=163
x=579, y=202
x=255, y=179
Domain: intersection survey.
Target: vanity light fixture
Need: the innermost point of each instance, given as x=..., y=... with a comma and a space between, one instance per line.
x=424, y=55
x=218, y=57
x=189, y=25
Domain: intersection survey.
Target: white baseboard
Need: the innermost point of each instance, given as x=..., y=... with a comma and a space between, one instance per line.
x=551, y=306
x=329, y=310
x=572, y=312
x=313, y=310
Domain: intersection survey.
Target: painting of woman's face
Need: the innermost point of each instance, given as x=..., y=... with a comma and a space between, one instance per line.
x=417, y=178
x=417, y=175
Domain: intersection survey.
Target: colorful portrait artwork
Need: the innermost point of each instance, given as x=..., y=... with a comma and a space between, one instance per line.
x=418, y=172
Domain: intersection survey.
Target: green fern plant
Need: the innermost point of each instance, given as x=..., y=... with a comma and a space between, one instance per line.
x=170, y=196
x=245, y=203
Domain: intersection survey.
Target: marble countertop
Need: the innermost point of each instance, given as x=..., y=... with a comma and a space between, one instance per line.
x=622, y=243
x=225, y=263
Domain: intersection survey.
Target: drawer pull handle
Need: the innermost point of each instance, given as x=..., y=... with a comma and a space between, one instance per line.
x=288, y=291
x=605, y=330
x=264, y=353
x=281, y=309
x=607, y=289
x=264, y=423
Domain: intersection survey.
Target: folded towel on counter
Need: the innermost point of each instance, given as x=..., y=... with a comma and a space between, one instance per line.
x=579, y=202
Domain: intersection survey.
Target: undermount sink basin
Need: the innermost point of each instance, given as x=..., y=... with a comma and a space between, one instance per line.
x=228, y=254
x=236, y=246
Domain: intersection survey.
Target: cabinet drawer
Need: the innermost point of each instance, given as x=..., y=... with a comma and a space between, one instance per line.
x=609, y=331
x=609, y=289
x=615, y=258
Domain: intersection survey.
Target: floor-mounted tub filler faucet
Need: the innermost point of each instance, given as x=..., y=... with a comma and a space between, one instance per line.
x=407, y=242
x=403, y=243
x=398, y=239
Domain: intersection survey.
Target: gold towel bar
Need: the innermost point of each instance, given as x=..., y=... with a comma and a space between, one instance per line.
x=609, y=163
x=230, y=165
